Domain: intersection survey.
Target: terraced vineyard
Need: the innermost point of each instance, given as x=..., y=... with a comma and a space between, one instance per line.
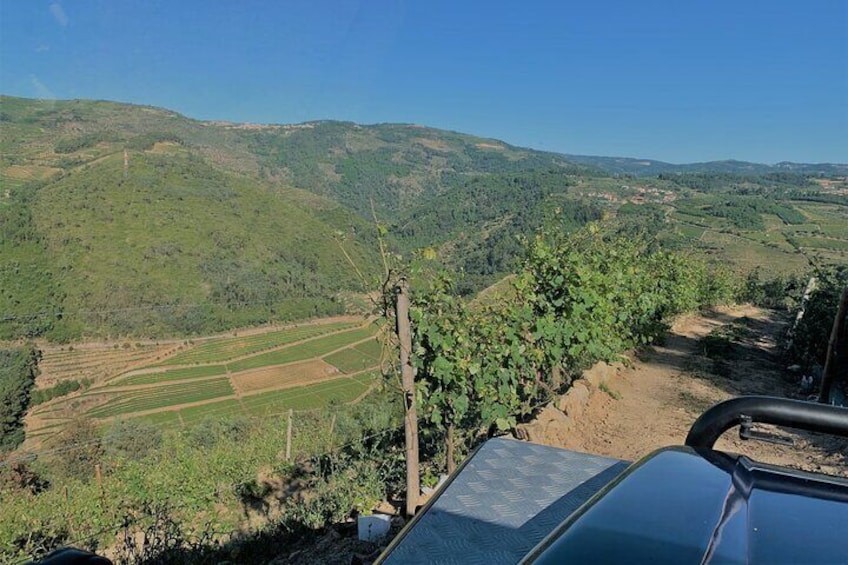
x=299, y=368
x=171, y=375
x=817, y=235
x=96, y=363
x=342, y=390
x=222, y=349
x=356, y=358
x=140, y=400
x=307, y=350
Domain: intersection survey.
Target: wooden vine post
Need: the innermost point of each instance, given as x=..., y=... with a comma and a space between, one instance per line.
x=836, y=341
x=404, y=333
x=289, y=436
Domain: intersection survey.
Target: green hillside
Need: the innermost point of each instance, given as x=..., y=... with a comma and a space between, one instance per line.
x=214, y=225
x=170, y=245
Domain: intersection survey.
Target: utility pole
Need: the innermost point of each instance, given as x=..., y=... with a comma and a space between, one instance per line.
x=410, y=421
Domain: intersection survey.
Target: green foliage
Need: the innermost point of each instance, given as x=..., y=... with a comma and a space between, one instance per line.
x=482, y=218
x=307, y=350
x=578, y=299
x=207, y=234
x=55, y=391
x=774, y=292
x=172, y=375
x=18, y=369
x=809, y=341
x=77, y=143
x=131, y=440
x=77, y=450
x=208, y=251
x=223, y=349
x=739, y=183
x=162, y=396
x=196, y=481
x=148, y=140
x=345, y=490
x=29, y=294
x=744, y=212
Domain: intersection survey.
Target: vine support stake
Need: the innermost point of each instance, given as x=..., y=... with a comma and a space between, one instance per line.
x=289, y=437
x=407, y=373
x=836, y=341
x=98, y=475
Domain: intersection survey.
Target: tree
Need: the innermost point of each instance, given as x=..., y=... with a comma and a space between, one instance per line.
x=18, y=369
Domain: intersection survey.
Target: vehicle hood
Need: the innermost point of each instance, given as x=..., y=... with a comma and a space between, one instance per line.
x=682, y=505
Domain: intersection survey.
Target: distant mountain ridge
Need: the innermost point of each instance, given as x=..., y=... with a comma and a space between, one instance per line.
x=652, y=167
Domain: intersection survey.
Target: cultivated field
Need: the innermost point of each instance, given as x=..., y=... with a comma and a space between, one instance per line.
x=780, y=248
x=260, y=372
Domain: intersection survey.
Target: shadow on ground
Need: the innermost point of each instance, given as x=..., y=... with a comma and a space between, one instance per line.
x=336, y=545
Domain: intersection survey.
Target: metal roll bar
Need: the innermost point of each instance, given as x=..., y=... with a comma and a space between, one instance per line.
x=746, y=410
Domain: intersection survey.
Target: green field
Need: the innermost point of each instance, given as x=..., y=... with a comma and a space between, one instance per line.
x=340, y=390
x=224, y=349
x=220, y=409
x=691, y=231
x=171, y=375
x=353, y=360
x=304, y=398
x=823, y=243
x=161, y=390
x=164, y=418
x=163, y=397
x=306, y=350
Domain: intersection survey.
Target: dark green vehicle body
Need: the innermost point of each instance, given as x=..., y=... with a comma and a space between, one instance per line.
x=515, y=502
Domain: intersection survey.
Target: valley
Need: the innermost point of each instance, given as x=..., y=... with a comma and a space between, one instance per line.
x=198, y=314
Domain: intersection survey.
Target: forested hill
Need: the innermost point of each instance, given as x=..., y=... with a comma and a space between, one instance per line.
x=127, y=220
x=121, y=219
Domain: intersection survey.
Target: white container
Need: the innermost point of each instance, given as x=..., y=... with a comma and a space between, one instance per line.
x=373, y=527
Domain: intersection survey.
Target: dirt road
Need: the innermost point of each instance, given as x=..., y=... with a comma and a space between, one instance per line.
x=653, y=403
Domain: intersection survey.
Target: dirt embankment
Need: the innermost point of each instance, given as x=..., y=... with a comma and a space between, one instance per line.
x=705, y=359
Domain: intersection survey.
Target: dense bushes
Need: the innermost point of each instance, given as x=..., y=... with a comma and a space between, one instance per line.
x=55, y=391
x=203, y=479
x=808, y=344
x=775, y=292
x=18, y=369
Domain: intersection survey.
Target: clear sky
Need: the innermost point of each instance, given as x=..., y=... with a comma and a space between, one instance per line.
x=681, y=81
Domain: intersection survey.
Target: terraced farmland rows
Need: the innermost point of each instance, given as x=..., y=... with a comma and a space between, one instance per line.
x=223, y=349
x=172, y=375
x=311, y=367
x=94, y=364
x=342, y=390
x=353, y=359
x=314, y=348
x=161, y=397
x=823, y=243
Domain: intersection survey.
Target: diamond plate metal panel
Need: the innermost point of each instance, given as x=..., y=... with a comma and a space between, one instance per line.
x=505, y=500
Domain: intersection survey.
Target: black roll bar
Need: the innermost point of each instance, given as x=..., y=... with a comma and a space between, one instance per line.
x=766, y=410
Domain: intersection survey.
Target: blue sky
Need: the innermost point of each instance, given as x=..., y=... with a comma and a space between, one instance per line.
x=759, y=80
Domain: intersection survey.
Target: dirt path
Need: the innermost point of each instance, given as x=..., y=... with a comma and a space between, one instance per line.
x=653, y=403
